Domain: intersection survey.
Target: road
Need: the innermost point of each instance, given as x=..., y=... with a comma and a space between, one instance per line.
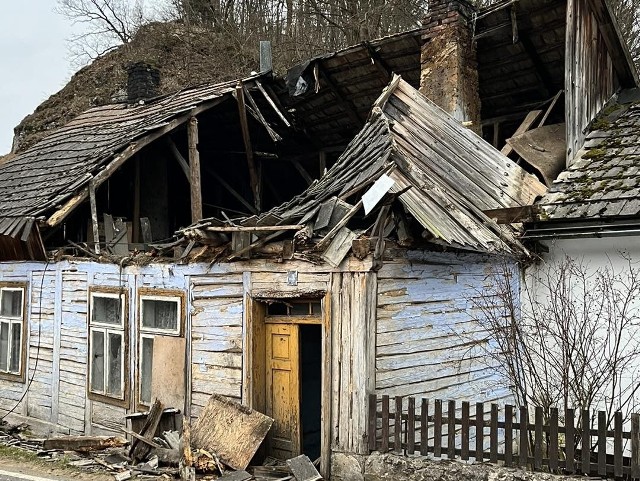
x=13, y=476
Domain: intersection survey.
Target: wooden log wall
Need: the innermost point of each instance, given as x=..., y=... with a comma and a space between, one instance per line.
x=426, y=334
x=590, y=77
x=216, y=338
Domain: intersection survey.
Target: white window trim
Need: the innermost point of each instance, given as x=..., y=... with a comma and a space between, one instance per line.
x=164, y=332
x=106, y=329
x=13, y=322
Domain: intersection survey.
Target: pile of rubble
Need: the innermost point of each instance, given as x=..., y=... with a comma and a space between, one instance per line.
x=220, y=445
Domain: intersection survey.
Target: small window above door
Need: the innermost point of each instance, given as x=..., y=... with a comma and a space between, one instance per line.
x=295, y=308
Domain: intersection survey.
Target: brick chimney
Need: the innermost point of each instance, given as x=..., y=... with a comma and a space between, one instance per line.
x=143, y=81
x=449, y=73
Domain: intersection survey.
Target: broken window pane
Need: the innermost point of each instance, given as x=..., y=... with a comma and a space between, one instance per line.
x=97, y=361
x=4, y=346
x=16, y=344
x=146, y=366
x=115, y=365
x=11, y=303
x=157, y=314
x=107, y=310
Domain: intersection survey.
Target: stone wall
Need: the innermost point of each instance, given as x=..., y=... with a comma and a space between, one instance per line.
x=390, y=467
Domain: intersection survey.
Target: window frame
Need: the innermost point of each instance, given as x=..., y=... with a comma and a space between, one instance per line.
x=150, y=332
x=19, y=376
x=106, y=328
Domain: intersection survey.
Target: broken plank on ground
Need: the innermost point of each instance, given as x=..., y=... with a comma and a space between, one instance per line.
x=232, y=431
x=303, y=469
x=236, y=476
x=84, y=443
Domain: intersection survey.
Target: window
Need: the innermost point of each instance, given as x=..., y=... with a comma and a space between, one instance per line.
x=159, y=315
x=12, y=330
x=107, y=344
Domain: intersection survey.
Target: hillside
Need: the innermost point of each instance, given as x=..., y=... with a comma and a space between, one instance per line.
x=185, y=56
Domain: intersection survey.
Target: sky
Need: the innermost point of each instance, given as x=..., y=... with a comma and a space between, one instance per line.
x=34, y=61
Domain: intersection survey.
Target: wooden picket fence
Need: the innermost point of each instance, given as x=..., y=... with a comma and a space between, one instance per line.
x=511, y=440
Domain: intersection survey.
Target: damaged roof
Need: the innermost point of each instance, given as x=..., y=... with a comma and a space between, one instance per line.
x=66, y=161
x=604, y=180
x=442, y=172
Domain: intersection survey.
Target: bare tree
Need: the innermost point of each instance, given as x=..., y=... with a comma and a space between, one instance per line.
x=568, y=337
x=105, y=24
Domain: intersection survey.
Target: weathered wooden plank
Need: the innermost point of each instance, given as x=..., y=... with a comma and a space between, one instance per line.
x=602, y=443
x=508, y=435
x=553, y=440
x=232, y=431
x=586, y=442
x=569, y=423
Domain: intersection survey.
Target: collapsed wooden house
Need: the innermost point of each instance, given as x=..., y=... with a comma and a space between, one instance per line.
x=362, y=282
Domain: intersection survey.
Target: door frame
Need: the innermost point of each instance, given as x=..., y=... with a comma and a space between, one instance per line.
x=253, y=375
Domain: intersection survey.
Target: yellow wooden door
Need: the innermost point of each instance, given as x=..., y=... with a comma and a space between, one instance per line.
x=283, y=390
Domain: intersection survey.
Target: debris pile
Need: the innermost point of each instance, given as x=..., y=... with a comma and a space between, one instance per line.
x=220, y=444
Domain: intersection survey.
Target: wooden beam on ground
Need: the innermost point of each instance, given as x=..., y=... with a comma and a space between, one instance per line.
x=244, y=125
x=231, y=190
x=94, y=217
x=84, y=443
x=346, y=104
x=524, y=126
x=194, y=169
x=184, y=165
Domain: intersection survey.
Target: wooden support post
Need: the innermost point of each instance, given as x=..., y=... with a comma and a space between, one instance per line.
x=244, y=125
x=194, y=170
x=136, y=202
x=94, y=217
x=322, y=160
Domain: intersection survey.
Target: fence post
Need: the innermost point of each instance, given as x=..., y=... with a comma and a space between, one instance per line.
x=553, y=441
x=424, y=427
x=635, y=446
x=451, y=430
x=602, y=443
x=524, y=441
x=493, y=435
x=586, y=443
x=373, y=421
x=617, y=444
x=537, y=454
x=411, y=426
x=437, y=429
x=397, y=431
x=464, y=451
x=508, y=435
x=569, y=439
x=479, y=432
x=385, y=423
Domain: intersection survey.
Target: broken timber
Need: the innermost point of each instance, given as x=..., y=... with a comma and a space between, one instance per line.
x=303, y=469
x=194, y=170
x=84, y=443
x=139, y=449
x=244, y=125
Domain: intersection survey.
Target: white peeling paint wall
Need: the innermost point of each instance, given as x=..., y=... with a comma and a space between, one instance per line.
x=614, y=253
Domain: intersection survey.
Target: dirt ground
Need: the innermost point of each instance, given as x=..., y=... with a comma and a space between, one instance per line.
x=47, y=469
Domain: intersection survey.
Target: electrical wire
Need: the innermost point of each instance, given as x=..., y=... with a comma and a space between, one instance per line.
x=35, y=366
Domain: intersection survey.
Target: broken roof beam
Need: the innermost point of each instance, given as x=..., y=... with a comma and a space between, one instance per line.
x=255, y=111
x=263, y=228
x=346, y=104
x=246, y=137
x=194, y=170
x=231, y=190
x=272, y=103
x=184, y=165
